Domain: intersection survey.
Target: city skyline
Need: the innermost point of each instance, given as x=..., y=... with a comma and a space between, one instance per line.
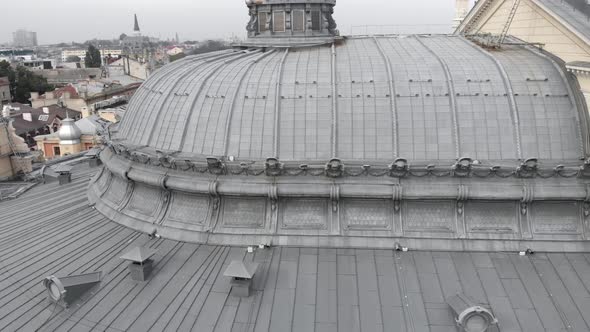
x=191, y=20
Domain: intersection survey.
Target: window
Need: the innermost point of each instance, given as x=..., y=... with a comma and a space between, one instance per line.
x=262, y=21
x=316, y=20
x=278, y=21
x=298, y=20
x=56, y=151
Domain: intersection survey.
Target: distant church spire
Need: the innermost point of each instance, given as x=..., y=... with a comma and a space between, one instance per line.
x=136, y=26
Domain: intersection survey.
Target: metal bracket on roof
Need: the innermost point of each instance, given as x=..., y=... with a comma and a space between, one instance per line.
x=397, y=197
x=273, y=195
x=399, y=168
x=214, y=194
x=528, y=195
x=334, y=168
x=462, y=196
x=584, y=171
x=162, y=181
x=335, y=197
x=587, y=202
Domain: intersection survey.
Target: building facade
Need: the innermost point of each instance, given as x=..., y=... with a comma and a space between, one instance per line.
x=81, y=53
x=14, y=153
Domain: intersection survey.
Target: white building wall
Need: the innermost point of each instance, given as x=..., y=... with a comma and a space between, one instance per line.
x=533, y=25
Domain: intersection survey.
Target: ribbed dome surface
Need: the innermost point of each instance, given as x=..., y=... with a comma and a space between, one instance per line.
x=420, y=98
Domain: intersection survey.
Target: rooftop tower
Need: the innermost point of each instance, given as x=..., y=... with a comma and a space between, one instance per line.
x=291, y=22
x=136, y=29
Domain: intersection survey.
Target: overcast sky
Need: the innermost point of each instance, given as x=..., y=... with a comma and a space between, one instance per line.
x=75, y=20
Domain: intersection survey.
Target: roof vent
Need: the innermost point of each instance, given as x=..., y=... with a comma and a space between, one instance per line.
x=141, y=264
x=93, y=156
x=469, y=316
x=241, y=274
x=61, y=172
x=66, y=290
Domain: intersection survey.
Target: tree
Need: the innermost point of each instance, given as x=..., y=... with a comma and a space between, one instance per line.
x=210, y=46
x=73, y=58
x=122, y=37
x=177, y=57
x=23, y=81
x=93, y=58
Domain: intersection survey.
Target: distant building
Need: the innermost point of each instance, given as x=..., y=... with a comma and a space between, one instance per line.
x=73, y=137
x=5, y=96
x=83, y=101
x=174, y=50
x=68, y=94
x=11, y=54
x=137, y=45
x=81, y=53
x=24, y=38
x=30, y=122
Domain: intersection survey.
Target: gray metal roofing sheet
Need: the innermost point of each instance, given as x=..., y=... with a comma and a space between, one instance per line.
x=572, y=17
x=295, y=289
x=417, y=97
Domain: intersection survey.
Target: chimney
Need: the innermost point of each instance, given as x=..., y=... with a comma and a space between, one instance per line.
x=140, y=263
x=46, y=110
x=34, y=95
x=27, y=117
x=241, y=274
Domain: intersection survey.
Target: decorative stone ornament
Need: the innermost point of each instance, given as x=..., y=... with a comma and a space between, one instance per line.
x=528, y=168
x=334, y=168
x=273, y=167
x=399, y=168
x=585, y=169
x=463, y=167
x=215, y=166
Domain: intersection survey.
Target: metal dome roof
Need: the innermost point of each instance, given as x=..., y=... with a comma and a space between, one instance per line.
x=427, y=141
x=418, y=97
x=69, y=133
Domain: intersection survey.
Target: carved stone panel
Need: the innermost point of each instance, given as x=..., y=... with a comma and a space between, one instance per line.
x=556, y=217
x=117, y=191
x=145, y=201
x=244, y=212
x=491, y=217
x=304, y=213
x=367, y=214
x=189, y=209
x=432, y=216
